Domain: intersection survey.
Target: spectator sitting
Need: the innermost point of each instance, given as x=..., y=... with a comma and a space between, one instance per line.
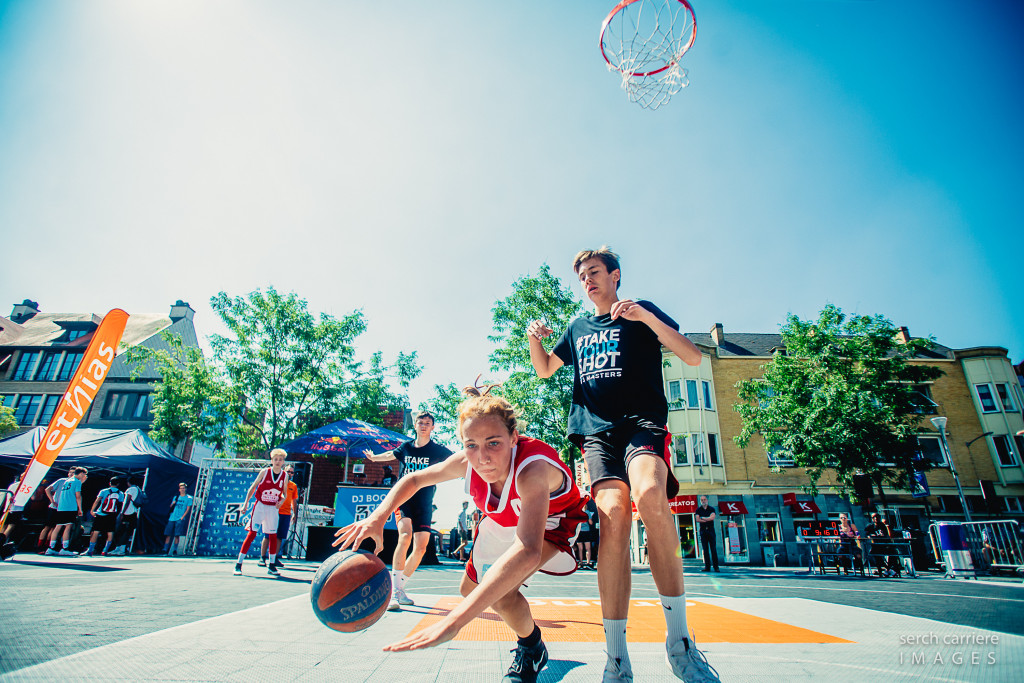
x=848, y=534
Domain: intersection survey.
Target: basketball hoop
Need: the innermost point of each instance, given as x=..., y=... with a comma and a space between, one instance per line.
x=643, y=40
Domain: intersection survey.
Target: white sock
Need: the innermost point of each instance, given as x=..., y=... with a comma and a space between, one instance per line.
x=615, y=641
x=273, y=558
x=241, y=556
x=396, y=582
x=675, y=618
x=405, y=580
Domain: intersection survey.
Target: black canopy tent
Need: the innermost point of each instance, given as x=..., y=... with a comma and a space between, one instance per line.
x=112, y=451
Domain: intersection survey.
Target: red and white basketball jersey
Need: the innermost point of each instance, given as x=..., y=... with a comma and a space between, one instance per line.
x=505, y=510
x=565, y=511
x=271, y=488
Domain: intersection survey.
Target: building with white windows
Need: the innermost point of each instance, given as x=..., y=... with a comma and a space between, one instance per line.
x=40, y=351
x=758, y=494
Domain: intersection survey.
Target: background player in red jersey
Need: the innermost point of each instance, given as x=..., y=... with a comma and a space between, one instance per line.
x=268, y=490
x=532, y=513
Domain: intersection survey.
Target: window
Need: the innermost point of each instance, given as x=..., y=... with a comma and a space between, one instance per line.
x=48, y=368
x=699, y=456
x=921, y=398
x=679, y=450
x=50, y=403
x=985, y=397
x=708, y=403
x=127, y=405
x=143, y=407
x=779, y=457
x=70, y=364
x=675, y=395
x=769, y=393
x=1006, y=397
x=26, y=364
x=1019, y=440
x=930, y=448
x=26, y=407
x=1012, y=504
x=8, y=400
x=691, y=393
x=716, y=458
x=768, y=527
x=1007, y=457
x=76, y=334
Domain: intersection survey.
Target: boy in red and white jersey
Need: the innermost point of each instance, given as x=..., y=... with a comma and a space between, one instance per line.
x=268, y=490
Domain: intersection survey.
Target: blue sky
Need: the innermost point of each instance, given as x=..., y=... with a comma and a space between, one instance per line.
x=413, y=159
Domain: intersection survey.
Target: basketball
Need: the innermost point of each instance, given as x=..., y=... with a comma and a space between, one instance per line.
x=350, y=591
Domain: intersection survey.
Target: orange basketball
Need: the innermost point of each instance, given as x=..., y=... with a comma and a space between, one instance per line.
x=351, y=591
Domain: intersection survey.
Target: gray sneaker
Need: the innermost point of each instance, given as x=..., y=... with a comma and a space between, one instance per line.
x=689, y=664
x=615, y=671
x=402, y=598
x=67, y=553
x=393, y=606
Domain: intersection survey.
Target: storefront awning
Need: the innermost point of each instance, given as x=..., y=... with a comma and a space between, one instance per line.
x=807, y=507
x=732, y=507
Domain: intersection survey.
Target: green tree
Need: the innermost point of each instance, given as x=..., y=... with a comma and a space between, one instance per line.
x=7, y=422
x=192, y=399
x=841, y=397
x=544, y=403
x=295, y=370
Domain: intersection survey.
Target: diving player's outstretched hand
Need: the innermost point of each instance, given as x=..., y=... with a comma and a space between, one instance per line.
x=353, y=535
x=539, y=329
x=441, y=632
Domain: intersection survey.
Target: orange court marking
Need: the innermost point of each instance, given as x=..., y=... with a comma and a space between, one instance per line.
x=579, y=621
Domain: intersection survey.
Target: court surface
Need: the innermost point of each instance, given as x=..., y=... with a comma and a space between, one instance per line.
x=746, y=639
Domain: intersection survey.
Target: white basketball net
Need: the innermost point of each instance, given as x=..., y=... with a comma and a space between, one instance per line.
x=643, y=40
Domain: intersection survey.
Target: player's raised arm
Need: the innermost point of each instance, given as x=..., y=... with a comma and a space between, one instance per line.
x=373, y=525
x=379, y=457
x=671, y=338
x=544, y=363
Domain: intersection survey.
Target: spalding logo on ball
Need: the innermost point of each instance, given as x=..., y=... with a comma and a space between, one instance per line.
x=351, y=591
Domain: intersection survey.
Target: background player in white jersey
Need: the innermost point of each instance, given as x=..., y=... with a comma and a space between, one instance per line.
x=268, y=490
x=52, y=491
x=532, y=510
x=413, y=520
x=105, y=510
x=69, y=510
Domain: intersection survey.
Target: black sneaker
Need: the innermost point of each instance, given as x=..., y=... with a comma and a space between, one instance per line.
x=238, y=569
x=262, y=562
x=272, y=570
x=527, y=663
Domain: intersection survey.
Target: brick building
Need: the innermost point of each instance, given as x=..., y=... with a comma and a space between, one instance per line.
x=39, y=353
x=979, y=394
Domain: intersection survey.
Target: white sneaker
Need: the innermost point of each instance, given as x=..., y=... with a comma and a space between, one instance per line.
x=117, y=551
x=51, y=551
x=402, y=598
x=67, y=553
x=393, y=606
x=689, y=663
x=614, y=672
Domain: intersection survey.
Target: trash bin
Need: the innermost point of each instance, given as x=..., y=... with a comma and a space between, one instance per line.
x=954, y=549
x=769, y=555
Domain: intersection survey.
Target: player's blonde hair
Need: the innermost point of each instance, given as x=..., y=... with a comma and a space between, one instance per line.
x=279, y=451
x=605, y=254
x=480, y=403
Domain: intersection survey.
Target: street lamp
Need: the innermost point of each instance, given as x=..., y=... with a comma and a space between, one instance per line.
x=940, y=424
x=976, y=438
